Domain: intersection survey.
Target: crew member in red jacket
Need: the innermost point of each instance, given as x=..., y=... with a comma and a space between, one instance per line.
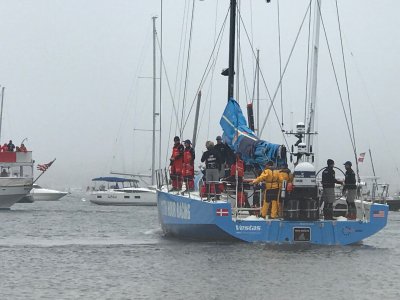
x=188, y=165
x=176, y=163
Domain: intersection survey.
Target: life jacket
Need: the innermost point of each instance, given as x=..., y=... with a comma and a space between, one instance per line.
x=177, y=155
x=240, y=168
x=188, y=162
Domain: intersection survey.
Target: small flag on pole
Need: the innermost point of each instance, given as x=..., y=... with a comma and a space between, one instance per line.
x=361, y=157
x=44, y=167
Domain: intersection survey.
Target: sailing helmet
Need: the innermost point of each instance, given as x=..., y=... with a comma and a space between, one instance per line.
x=176, y=139
x=348, y=163
x=188, y=142
x=330, y=162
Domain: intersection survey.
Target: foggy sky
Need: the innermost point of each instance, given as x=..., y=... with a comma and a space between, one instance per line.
x=71, y=70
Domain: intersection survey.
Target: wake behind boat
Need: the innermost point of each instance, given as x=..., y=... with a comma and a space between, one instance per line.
x=121, y=192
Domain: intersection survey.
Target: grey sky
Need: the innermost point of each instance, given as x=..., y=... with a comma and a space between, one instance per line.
x=71, y=71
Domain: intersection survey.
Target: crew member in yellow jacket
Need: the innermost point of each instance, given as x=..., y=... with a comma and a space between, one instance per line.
x=271, y=178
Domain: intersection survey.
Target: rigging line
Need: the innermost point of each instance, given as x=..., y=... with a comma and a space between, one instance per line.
x=373, y=109
x=160, y=85
x=246, y=88
x=133, y=87
x=308, y=67
x=265, y=84
x=347, y=89
x=254, y=83
x=336, y=78
x=189, y=51
x=280, y=59
x=207, y=70
x=252, y=31
x=212, y=78
x=182, y=43
x=284, y=70
x=168, y=83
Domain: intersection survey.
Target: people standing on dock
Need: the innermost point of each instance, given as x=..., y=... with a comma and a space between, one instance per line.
x=176, y=163
x=328, y=185
x=212, y=160
x=188, y=165
x=350, y=190
x=271, y=195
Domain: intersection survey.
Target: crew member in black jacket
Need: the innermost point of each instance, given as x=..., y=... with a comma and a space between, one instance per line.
x=328, y=193
x=213, y=164
x=350, y=189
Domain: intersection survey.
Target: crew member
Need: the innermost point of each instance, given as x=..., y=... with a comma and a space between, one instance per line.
x=176, y=161
x=285, y=175
x=237, y=166
x=213, y=164
x=225, y=154
x=328, y=193
x=271, y=178
x=350, y=188
x=188, y=165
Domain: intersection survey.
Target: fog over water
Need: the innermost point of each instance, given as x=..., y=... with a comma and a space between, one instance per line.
x=73, y=72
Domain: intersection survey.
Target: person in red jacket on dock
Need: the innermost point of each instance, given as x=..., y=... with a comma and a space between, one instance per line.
x=188, y=165
x=176, y=163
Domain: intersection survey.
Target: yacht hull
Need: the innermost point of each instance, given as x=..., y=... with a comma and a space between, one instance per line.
x=188, y=218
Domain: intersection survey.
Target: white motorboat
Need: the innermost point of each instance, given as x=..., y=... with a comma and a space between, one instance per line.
x=128, y=194
x=42, y=194
x=16, y=177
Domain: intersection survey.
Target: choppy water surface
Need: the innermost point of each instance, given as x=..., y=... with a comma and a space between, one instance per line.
x=72, y=249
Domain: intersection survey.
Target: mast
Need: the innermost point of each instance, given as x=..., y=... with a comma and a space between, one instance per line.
x=1, y=109
x=153, y=154
x=231, y=71
x=314, y=74
x=374, y=185
x=196, y=120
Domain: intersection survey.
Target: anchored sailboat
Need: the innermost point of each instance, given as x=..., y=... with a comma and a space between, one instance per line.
x=192, y=215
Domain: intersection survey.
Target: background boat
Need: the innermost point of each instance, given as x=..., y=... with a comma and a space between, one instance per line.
x=113, y=191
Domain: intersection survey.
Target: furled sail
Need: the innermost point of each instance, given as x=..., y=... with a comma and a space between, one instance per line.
x=241, y=139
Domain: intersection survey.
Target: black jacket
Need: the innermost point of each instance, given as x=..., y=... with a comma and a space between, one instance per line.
x=212, y=159
x=224, y=152
x=350, y=182
x=328, y=178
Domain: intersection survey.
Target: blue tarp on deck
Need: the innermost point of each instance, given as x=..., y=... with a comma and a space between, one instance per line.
x=241, y=139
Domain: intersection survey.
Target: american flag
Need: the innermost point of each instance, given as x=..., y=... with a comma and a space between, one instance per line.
x=361, y=157
x=44, y=167
x=222, y=212
x=378, y=214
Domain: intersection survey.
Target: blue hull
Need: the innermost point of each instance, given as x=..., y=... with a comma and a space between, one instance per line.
x=188, y=218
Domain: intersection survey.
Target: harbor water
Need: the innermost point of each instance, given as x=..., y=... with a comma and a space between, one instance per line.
x=72, y=249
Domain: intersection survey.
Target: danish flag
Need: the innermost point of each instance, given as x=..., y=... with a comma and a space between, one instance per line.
x=222, y=212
